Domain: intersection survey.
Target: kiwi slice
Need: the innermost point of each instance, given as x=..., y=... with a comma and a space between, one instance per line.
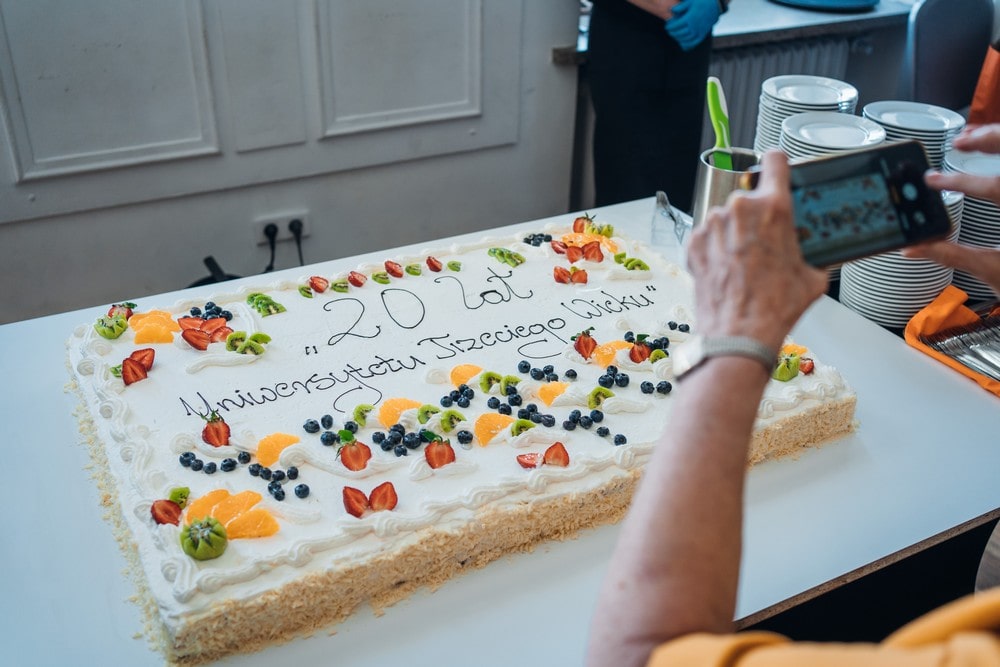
x=597, y=397
x=235, y=339
x=179, y=495
x=251, y=347
x=204, y=539
x=260, y=337
x=656, y=355
x=520, y=426
x=508, y=381
x=449, y=418
x=487, y=379
x=425, y=412
x=360, y=414
x=787, y=368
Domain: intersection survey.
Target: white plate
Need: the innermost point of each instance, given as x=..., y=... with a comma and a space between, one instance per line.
x=825, y=129
x=807, y=90
x=914, y=116
x=977, y=164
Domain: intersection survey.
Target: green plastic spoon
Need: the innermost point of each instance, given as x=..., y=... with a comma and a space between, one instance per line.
x=722, y=158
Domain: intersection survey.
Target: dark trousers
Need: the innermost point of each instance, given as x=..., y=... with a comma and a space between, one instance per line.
x=649, y=104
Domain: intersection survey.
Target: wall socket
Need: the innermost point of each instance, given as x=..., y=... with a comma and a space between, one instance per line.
x=281, y=220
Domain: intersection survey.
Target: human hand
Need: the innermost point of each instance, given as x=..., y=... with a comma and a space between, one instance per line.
x=984, y=138
x=981, y=262
x=750, y=278
x=692, y=21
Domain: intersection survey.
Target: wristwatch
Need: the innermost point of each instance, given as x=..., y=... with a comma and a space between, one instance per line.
x=696, y=350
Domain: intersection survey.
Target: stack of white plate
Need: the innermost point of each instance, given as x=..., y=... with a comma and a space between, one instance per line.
x=933, y=126
x=980, y=219
x=784, y=96
x=889, y=289
x=819, y=133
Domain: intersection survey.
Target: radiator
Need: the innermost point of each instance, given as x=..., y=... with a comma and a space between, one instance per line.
x=742, y=71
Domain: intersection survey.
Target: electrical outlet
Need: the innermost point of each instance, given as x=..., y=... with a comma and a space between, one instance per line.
x=281, y=220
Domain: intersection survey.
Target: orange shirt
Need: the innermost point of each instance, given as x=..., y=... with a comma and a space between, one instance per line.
x=965, y=632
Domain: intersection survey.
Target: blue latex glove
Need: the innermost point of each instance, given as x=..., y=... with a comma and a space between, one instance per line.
x=692, y=21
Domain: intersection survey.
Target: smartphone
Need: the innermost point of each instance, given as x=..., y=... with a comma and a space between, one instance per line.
x=865, y=202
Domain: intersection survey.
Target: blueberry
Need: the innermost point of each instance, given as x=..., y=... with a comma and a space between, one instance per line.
x=611, y=371
x=378, y=437
x=528, y=239
x=524, y=413
x=537, y=374
x=570, y=374
x=574, y=416
x=400, y=450
x=672, y=325
x=664, y=387
x=329, y=438
x=311, y=426
x=531, y=407
x=536, y=417
x=462, y=388
x=622, y=379
x=568, y=425
x=462, y=402
x=454, y=394
x=511, y=389
x=548, y=369
x=394, y=437
x=186, y=459
x=647, y=387
x=326, y=421
x=586, y=422
x=278, y=475
x=255, y=469
x=514, y=399
x=273, y=486
x=243, y=457
x=195, y=311
x=468, y=393
x=197, y=464
x=597, y=416
x=226, y=315
x=493, y=403
x=398, y=428
x=265, y=473
x=620, y=439
x=629, y=337
x=606, y=381
x=548, y=421
x=546, y=238
x=411, y=440
x=227, y=465
x=211, y=467
x=278, y=494
x=683, y=328
x=504, y=409
x=209, y=305
x=551, y=377
x=351, y=426
x=603, y=431
x=523, y=366
x=302, y=490
x=446, y=401
x=464, y=437
x=292, y=472
x=386, y=445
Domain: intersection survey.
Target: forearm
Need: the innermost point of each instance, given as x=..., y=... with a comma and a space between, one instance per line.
x=660, y=8
x=676, y=566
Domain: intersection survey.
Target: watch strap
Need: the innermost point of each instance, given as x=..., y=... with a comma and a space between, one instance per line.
x=734, y=346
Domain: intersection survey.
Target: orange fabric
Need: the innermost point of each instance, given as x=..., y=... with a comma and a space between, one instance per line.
x=986, y=100
x=947, y=310
x=961, y=633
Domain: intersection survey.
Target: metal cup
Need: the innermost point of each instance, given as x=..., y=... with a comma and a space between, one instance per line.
x=713, y=184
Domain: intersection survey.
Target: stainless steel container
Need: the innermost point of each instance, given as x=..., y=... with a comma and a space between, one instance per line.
x=713, y=185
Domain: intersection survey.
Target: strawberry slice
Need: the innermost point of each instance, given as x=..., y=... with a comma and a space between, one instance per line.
x=190, y=322
x=806, y=365
x=394, y=269
x=166, y=511
x=528, y=460
x=196, y=338
x=561, y=275
x=592, y=251
x=578, y=276
x=220, y=335
x=559, y=247
x=556, y=455
x=144, y=356
x=434, y=264
x=640, y=352
x=584, y=344
x=581, y=222
x=383, y=497
x=354, y=454
x=574, y=254
x=210, y=325
x=356, y=279
x=355, y=501
x=439, y=453
x=318, y=284
x=132, y=371
x=216, y=432
x=124, y=308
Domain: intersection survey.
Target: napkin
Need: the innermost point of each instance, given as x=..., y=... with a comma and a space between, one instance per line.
x=946, y=311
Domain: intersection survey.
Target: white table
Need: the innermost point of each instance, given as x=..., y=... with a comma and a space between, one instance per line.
x=923, y=465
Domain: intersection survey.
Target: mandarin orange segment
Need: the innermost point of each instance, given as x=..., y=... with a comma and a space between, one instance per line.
x=153, y=332
x=199, y=508
x=139, y=320
x=489, y=424
x=550, y=390
x=792, y=348
x=604, y=354
x=235, y=505
x=391, y=409
x=252, y=523
x=581, y=239
x=270, y=447
x=462, y=373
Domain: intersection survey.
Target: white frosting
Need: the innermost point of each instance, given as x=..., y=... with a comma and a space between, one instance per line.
x=337, y=350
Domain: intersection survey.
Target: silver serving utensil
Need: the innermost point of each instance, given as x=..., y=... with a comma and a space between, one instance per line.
x=681, y=226
x=976, y=346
